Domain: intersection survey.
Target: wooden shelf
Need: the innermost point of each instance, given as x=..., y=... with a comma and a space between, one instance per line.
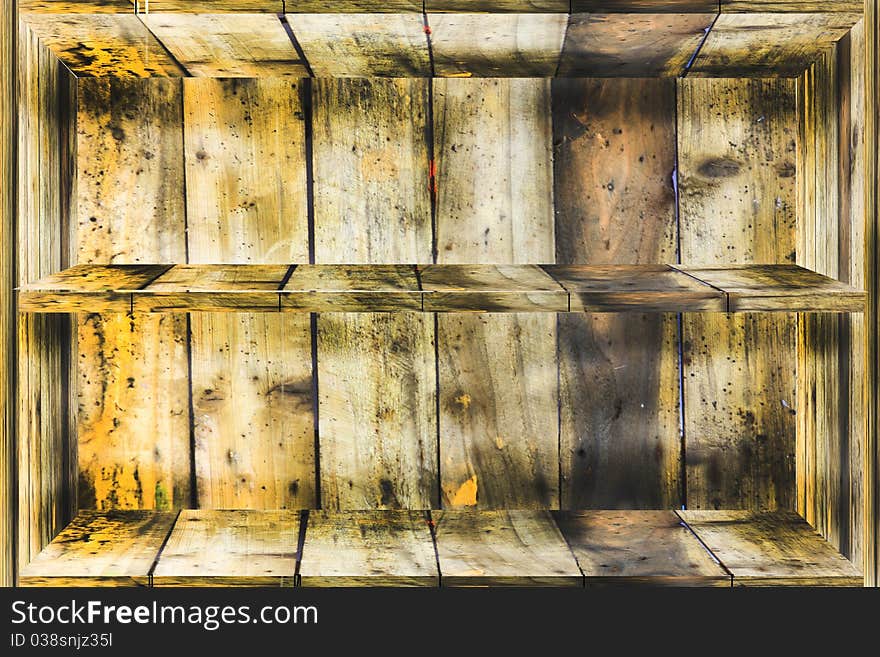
x=459, y=38
x=437, y=288
x=447, y=548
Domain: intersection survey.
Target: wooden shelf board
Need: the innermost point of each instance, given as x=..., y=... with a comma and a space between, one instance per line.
x=438, y=288
x=771, y=549
x=465, y=548
x=515, y=38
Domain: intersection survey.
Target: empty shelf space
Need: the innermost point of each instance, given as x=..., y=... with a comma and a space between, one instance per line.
x=445, y=548
x=438, y=288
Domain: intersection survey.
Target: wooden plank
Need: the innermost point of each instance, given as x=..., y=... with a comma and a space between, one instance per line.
x=738, y=206
x=363, y=45
x=506, y=45
x=217, y=288
x=503, y=548
x=225, y=45
x=132, y=388
x=352, y=288
x=797, y=6
x=74, y=7
x=618, y=374
x=215, y=6
x=8, y=185
x=771, y=549
x=247, y=202
x=631, y=548
x=498, y=444
x=87, y=288
x=768, y=45
x=230, y=548
x=631, y=45
x=491, y=288
x=117, y=548
x=368, y=548
x=376, y=373
x=497, y=6
x=787, y=288
x=642, y=288
x=353, y=6
x=645, y=6
x=43, y=435
x=102, y=45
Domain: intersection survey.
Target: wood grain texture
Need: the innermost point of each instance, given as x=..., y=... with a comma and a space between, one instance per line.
x=215, y=6
x=498, y=441
x=797, y=6
x=646, y=6
x=376, y=373
x=363, y=45
x=44, y=449
x=505, y=45
x=102, y=45
x=74, y=7
x=230, y=548
x=491, y=288
x=225, y=45
x=768, y=45
x=632, y=548
x=771, y=549
x=88, y=288
x=872, y=224
x=786, y=288
x=353, y=6
x=7, y=283
x=369, y=548
x=738, y=205
x=132, y=387
x=631, y=45
x=613, y=161
x=117, y=548
x=503, y=548
x=352, y=288
x=499, y=6
x=252, y=399
x=643, y=288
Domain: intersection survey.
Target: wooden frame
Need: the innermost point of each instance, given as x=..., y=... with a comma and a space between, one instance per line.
x=8, y=318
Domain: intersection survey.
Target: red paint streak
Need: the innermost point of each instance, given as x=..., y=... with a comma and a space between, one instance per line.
x=427, y=29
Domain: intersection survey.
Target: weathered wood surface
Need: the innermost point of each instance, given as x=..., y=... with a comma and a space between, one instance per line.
x=369, y=548
x=631, y=45
x=618, y=374
x=503, y=548
x=505, y=45
x=117, y=548
x=498, y=444
x=42, y=447
x=352, y=288
x=103, y=45
x=738, y=205
x=376, y=373
x=225, y=45
x=652, y=548
x=872, y=224
x=88, y=288
x=74, y=7
x=501, y=6
x=769, y=45
x=353, y=6
x=771, y=549
x=252, y=399
x=641, y=288
x=363, y=45
x=132, y=386
x=796, y=6
x=645, y=6
x=787, y=288
x=230, y=548
x=491, y=288
x=8, y=183
x=214, y=6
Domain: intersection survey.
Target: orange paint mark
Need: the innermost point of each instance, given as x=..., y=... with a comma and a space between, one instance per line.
x=428, y=29
x=466, y=495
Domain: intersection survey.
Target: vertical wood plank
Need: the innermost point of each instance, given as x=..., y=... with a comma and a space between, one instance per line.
x=44, y=497
x=738, y=202
x=134, y=448
x=376, y=372
x=246, y=194
x=7, y=311
x=498, y=380
x=614, y=144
